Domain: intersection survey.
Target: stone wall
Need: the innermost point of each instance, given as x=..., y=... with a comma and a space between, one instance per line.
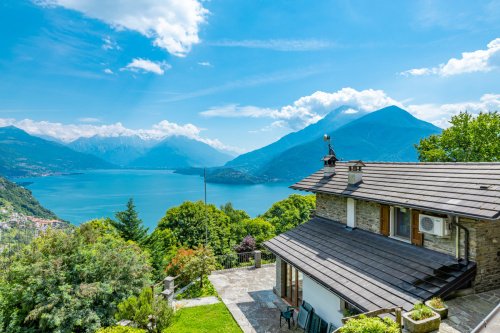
x=484, y=236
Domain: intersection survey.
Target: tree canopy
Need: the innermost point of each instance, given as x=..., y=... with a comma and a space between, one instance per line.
x=70, y=282
x=290, y=212
x=129, y=224
x=469, y=139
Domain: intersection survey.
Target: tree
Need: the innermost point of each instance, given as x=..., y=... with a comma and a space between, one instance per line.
x=235, y=215
x=140, y=309
x=247, y=245
x=290, y=212
x=190, y=264
x=469, y=139
x=70, y=282
x=161, y=245
x=259, y=228
x=194, y=222
x=130, y=225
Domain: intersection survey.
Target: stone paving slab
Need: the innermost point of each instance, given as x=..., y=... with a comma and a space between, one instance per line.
x=187, y=303
x=249, y=297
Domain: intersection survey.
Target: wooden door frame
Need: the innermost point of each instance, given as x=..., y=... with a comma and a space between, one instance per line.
x=292, y=297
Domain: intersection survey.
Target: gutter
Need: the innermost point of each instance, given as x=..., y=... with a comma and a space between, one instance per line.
x=454, y=222
x=489, y=319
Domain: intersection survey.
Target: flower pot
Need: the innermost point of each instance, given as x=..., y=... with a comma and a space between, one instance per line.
x=442, y=312
x=421, y=326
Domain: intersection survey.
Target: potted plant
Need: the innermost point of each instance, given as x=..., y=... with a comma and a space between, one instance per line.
x=437, y=305
x=421, y=319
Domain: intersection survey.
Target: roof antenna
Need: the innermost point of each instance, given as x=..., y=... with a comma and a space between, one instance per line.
x=330, y=159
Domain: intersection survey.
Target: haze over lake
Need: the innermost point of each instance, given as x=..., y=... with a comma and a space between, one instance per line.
x=93, y=194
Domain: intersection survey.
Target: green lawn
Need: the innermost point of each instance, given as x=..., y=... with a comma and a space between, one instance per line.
x=207, y=318
x=195, y=291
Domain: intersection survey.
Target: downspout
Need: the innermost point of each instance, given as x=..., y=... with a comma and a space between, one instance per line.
x=454, y=222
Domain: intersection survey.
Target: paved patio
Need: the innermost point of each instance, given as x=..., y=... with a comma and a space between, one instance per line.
x=249, y=296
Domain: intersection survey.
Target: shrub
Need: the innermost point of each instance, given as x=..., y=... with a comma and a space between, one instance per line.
x=191, y=264
x=365, y=324
x=247, y=245
x=139, y=309
x=121, y=329
x=437, y=303
x=421, y=312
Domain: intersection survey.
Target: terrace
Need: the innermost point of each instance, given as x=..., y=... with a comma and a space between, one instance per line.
x=248, y=294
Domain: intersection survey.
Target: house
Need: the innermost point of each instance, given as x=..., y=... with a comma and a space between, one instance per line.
x=391, y=234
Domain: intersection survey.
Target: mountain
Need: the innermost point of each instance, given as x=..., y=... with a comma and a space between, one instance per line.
x=388, y=134
x=180, y=152
x=120, y=150
x=22, y=154
x=385, y=135
x=16, y=199
x=254, y=160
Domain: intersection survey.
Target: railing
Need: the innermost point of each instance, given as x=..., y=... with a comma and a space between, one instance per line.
x=244, y=259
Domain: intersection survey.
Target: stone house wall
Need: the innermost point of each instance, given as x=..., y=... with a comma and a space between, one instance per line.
x=484, y=236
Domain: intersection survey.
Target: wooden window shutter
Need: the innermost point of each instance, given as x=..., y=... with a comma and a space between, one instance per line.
x=385, y=227
x=417, y=238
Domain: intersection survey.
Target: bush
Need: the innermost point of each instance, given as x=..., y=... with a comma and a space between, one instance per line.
x=437, y=303
x=189, y=264
x=247, y=245
x=139, y=309
x=121, y=329
x=421, y=312
x=370, y=325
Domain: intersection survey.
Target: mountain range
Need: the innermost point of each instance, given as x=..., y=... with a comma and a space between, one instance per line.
x=389, y=134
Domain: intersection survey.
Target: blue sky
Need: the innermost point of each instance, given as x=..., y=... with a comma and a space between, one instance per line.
x=239, y=74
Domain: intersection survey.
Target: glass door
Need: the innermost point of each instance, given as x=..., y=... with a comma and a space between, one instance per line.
x=293, y=285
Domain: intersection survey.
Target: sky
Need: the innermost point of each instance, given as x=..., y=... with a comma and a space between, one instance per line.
x=239, y=75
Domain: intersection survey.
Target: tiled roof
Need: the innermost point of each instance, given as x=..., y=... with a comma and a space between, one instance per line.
x=368, y=270
x=465, y=189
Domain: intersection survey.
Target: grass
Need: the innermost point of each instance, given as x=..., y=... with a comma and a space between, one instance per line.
x=437, y=303
x=195, y=291
x=201, y=319
x=421, y=312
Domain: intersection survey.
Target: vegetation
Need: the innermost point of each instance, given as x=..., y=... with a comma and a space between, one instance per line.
x=190, y=264
x=204, y=319
x=18, y=199
x=247, y=245
x=194, y=290
x=421, y=312
x=70, y=282
x=120, y=329
x=469, y=139
x=146, y=311
x=130, y=225
x=437, y=303
x=289, y=213
x=364, y=324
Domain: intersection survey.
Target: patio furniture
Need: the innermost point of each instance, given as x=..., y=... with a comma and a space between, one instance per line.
x=287, y=314
x=317, y=325
x=304, y=316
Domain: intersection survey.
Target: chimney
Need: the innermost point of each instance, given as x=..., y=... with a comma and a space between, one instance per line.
x=355, y=173
x=329, y=160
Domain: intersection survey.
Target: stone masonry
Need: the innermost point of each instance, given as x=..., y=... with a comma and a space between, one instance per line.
x=484, y=236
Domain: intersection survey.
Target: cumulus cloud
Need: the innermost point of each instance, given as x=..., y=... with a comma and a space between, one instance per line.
x=309, y=109
x=470, y=62
x=108, y=71
x=205, y=64
x=278, y=44
x=172, y=24
x=110, y=44
x=71, y=132
x=140, y=65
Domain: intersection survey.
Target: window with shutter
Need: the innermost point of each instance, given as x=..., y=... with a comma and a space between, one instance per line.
x=417, y=237
x=385, y=215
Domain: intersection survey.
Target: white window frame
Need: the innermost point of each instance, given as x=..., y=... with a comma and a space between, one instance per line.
x=392, y=220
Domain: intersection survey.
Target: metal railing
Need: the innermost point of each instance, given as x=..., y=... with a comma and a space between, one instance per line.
x=244, y=259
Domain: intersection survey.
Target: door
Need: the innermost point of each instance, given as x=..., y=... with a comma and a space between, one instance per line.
x=417, y=238
x=293, y=285
x=385, y=228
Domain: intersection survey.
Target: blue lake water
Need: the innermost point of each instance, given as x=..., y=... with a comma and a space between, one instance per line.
x=81, y=197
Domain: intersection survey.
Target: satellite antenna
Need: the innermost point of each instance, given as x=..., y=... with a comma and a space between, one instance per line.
x=326, y=138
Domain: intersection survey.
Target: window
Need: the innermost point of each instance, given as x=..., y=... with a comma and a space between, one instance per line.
x=402, y=223
x=293, y=284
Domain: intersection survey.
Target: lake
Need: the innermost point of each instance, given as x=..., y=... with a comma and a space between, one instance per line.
x=80, y=197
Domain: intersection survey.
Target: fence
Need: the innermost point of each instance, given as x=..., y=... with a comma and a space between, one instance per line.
x=244, y=259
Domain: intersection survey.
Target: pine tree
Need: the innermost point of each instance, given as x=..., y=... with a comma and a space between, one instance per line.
x=130, y=225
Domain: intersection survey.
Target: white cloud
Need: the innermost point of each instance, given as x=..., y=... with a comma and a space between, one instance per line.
x=278, y=44
x=470, y=62
x=147, y=66
x=205, y=64
x=110, y=44
x=440, y=114
x=71, y=132
x=108, y=71
x=172, y=24
x=89, y=120
x=309, y=109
